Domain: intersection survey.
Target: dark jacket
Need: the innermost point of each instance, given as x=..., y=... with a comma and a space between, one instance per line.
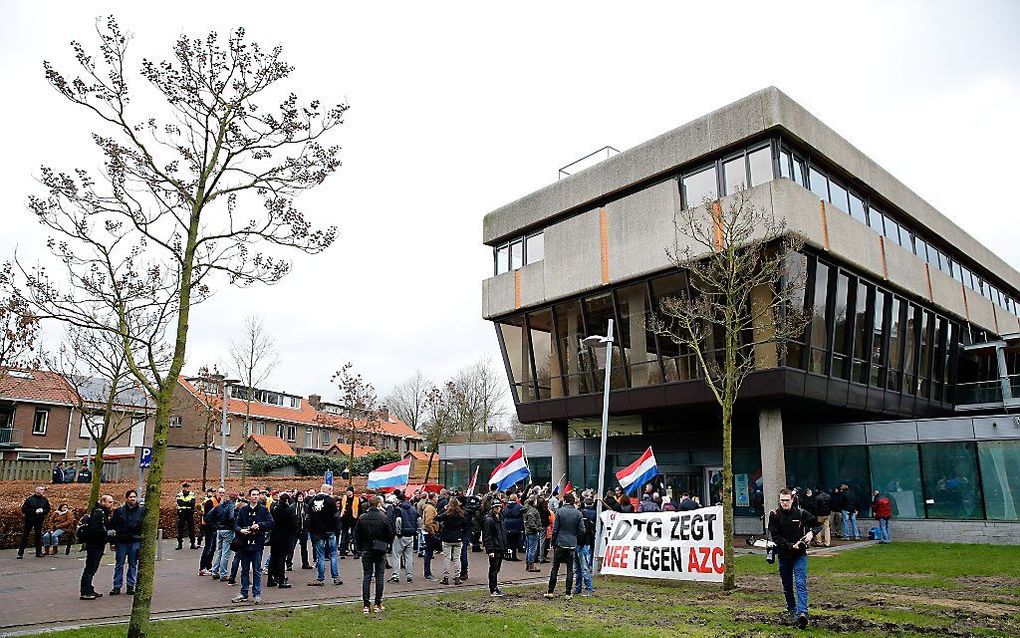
x=589, y=527
x=245, y=516
x=532, y=520
x=567, y=527
x=688, y=504
x=513, y=518
x=322, y=515
x=222, y=515
x=648, y=505
x=284, y=526
x=789, y=526
x=848, y=501
x=810, y=503
x=493, y=535
x=452, y=526
x=58, y=475
x=32, y=503
x=127, y=523
x=96, y=530
x=372, y=526
x=301, y=511
x=185, y=504
x=408, y=516
x=823, y=504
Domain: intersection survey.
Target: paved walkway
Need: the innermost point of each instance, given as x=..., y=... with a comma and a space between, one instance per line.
x=37, y=594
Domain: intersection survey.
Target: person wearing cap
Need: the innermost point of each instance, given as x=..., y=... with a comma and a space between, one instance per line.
x=494, y=542
x=185, y=515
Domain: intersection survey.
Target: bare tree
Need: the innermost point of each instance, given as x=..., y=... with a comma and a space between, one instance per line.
x=108, y=397
x=738, y=313
x=407, y=400
x=209, y=384
x=190, y=193
x=254, y=357
x=528, y=431
x=442, y=408
x=361, y=418
x=19, y=327
x=482, y=397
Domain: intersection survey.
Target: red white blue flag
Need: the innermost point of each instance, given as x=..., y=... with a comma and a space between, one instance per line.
x=638, y=473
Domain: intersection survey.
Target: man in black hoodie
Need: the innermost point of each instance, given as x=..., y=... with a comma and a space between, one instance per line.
x=95, y=536
x=792, y=529
x=374, y=535
x=127, y=526
x=823, y=511
x=494, y=542
x=35, y=508
x=848, y=505
x=323, y=525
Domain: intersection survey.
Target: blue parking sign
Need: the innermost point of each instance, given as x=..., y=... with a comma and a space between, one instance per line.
x=146, y=459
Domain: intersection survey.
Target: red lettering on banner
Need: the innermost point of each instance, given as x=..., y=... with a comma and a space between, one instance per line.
x=617, y=557
x=717, y=564
x=624, y=555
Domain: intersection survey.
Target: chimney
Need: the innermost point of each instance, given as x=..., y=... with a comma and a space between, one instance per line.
x=315, y=401
x=384, y=413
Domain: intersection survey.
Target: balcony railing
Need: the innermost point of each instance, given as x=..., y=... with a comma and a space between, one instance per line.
x=979, y=394
x=10, y=437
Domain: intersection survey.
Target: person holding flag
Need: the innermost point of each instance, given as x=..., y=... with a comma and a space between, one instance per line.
x=510, y=471
x=638, y=473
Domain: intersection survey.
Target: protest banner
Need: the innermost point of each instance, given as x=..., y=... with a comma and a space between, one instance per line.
x=672, y=545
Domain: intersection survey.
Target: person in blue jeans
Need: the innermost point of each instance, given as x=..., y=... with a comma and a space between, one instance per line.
x=792, y=530
x=323, y=525
x=223, y=519
x=585, y=549
x=848, y=505
x=127, y=539
x=533, y=529
x=251, y=522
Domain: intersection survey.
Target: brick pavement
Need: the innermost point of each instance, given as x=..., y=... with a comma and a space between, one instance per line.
x=42, y=593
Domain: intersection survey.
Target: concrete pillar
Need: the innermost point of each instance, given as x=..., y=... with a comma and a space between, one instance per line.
x=773, y=461
x=560, y=455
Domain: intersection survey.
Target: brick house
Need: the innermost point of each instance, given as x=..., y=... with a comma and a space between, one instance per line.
x=41, y=418
x=304, y=424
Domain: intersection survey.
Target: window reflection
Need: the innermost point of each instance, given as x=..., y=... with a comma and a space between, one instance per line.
x=819, y=327
x=576, y=378
x=637, y=340
x=535, y=248
x=679, y=361
x=759, y=163
x=518, y=352
x=700, y=187
x=735, y=175
x=547, y=365
x=598, y=310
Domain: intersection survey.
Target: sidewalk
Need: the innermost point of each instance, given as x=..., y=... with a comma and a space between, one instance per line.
x=37, y=594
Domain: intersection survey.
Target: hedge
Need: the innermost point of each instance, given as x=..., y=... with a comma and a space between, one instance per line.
x=317, y=464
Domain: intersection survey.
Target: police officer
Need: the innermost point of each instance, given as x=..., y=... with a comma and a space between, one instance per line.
x=185, y=515
x=792, y=530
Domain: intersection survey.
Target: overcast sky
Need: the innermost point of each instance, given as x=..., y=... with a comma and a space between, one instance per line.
x=458, y=108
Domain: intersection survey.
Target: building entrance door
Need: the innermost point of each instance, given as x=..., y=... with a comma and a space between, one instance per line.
x=714, y=482
x=685, y=483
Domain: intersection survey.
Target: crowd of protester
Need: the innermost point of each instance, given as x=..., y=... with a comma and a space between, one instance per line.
x=837, y=511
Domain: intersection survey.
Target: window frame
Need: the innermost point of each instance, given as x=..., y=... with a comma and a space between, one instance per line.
x=45, y=421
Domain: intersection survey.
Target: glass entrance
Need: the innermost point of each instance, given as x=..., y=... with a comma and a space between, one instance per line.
x=685, y=483
x=714, y=481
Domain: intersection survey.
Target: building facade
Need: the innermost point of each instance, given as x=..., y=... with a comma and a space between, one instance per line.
x=912, y=321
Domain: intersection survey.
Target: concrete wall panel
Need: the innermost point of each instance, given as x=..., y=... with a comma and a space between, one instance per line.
x=854, y=242
x=498, y=295
x=573, y=255
x=533, y=284
x=906, y=270
x=1007, y=322
x=980, y=309
x=799, y=207
x=947, y=293
x=641, y=230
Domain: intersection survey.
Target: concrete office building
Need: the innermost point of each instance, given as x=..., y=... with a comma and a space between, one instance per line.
x=900, y=383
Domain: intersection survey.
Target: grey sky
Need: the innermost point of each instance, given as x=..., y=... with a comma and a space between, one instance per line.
x=458, y=108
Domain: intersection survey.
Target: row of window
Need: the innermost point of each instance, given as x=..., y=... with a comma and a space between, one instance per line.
x=267, y=397
x=862, y=333
x=793, y=166
x=727, y=175
x=89, y=423
x=518, y=251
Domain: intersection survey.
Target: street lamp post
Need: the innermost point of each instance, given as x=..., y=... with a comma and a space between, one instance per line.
x=607, y=343
x=223, y=433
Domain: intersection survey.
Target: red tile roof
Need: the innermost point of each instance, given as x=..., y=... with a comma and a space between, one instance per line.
x=272, y=445
x=422, y=455
x=359, y=450
x=43, y=387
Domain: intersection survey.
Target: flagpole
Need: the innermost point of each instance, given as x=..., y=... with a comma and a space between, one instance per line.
x=608, y=342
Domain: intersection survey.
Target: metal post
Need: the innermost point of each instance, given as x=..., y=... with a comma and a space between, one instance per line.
x=141, y=471
x=159, y=544
x=223, y=438
x=602, y=448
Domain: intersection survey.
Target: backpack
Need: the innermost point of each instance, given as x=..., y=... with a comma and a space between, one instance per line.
x=81, y=531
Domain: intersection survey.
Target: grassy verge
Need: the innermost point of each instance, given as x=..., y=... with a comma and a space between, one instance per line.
x=904, y=589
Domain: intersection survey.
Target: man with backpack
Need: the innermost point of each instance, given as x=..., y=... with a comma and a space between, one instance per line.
x=823, y=511
x=127, y=526
x=405, y=522
x=792, y=530
x=94, y=531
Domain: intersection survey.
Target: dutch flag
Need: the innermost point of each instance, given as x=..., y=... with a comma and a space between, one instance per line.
x=638, y=473
x=511, y=470
x=390, y=475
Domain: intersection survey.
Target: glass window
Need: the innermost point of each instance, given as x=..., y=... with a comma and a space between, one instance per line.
x=39, y=422
x=962, y=275
x=637, y=340
x=502, y=256
x=798, y=171
x=700, y=187
x=1000, y=478
x=796, y=264
x=839, y=327
x=802, y=468
x=569, y=333
x=920, y=248
x=819, y=184
x=535, y=249
x=910, y=348
x=838, y=196
x=878, y=340
x=896, y=474
x=760, y=164
x=784, y=164
x=516, y=254
x=598, y=310
x=951, y=485
x=547, y=364
x=865, y=294
x=895, y=349
x=857, y=209
x=892, y=230
x=735, y=175
x=875, y=219
x=819, y=329
x=517, y=349
x=846, y=466
x=678, y=361
x=746, y=462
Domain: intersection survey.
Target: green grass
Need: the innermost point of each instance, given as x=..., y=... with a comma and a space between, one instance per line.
x=904, y=589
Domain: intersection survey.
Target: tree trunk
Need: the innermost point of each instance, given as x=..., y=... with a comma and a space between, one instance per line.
x=730, y=576
x=247, y=432
x=97, y=474
x=428, y=468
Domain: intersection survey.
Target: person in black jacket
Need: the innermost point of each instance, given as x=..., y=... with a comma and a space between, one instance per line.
x=823, y=511
x=374, y=536
x=494, y=542
x=792, y=530
x=127, y=540
x=58, y=473
x=251, y=522
x=301, y=516
x=848, y=505
x=35, y=508
x=96, y=534
x=453, y=524
x=323, y=525
x=281, y=543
